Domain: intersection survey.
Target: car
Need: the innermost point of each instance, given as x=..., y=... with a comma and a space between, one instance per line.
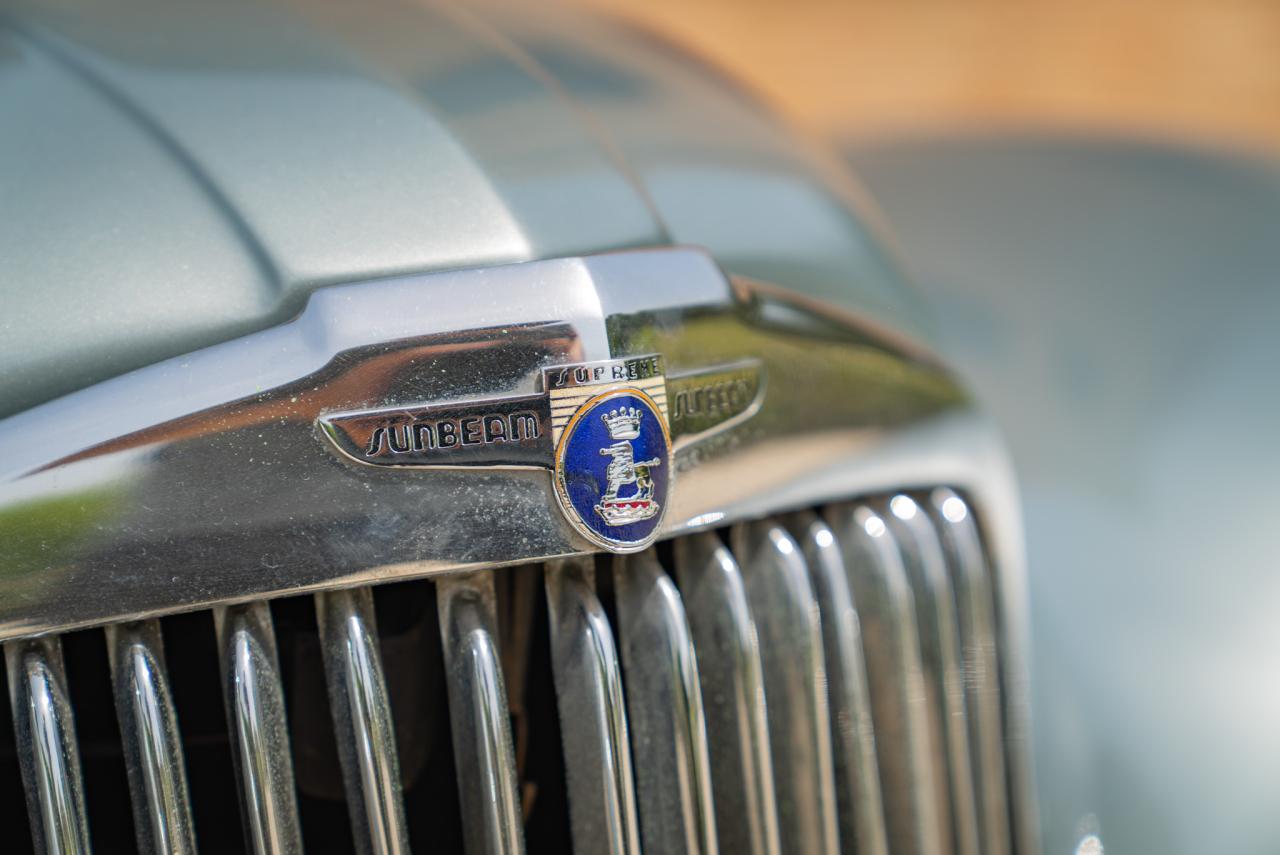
x=492, y=430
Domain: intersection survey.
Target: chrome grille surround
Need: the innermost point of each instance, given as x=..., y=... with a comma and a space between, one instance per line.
x=216, y=491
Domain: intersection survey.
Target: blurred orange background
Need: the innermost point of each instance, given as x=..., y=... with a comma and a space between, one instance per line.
x=1195, y=70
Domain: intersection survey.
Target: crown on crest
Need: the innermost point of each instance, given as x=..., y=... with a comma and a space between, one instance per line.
x=623, y=423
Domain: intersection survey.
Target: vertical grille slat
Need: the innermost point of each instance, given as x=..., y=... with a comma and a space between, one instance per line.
x=152, y=742
x=487, y=781
x=895, y=677
x=258, y=728
x=47, y=748
x=940, y=649
x=790, y=632
x=664, y=703
x=975, y=600
x=362, y=721
x=589, y=696
x=732, y=682
x=940, y=653
x=861, y=807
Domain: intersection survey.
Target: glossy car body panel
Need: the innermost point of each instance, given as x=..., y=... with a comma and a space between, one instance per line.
x=242, y=155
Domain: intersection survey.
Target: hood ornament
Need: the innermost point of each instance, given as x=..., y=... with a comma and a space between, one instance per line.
x=607, y=430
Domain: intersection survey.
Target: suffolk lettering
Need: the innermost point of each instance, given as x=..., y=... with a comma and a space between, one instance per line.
x=723, y=398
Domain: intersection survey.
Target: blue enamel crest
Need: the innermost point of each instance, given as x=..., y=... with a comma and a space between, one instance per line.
x=613, y=468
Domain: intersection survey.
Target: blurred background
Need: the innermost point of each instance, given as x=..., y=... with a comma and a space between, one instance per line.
x=1086, y=193
x=1196, y=69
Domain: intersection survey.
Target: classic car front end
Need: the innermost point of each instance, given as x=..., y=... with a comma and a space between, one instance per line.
x=472, y=429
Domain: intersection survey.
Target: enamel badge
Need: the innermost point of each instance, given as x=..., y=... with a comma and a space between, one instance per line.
x=612, y=449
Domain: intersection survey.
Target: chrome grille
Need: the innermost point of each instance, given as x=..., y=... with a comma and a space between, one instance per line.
x=820, y=681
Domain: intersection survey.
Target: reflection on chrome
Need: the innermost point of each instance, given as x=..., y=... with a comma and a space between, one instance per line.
x=954, y=509
x=593, y=720
x=782, y=604
x=152, y=742
x=47, y=749
x=482, y=748
x=784, y=545
x=729, y=674
x=258, y=725
x=903, y=507
x=362, y=721
x=664, y=707
x=1090, y=844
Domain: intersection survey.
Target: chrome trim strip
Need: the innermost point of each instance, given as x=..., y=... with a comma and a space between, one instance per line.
x=362, y=721
x=664, y=705
x=281, y=511
x=593, y=719
x=487, y=784
x=730, y=676
x=258, y=728
x=940, y=651
x=861, y=807
x=975, y=600
x=152, y=741
x=47, y=751
x=786, y=618
x=909, y=776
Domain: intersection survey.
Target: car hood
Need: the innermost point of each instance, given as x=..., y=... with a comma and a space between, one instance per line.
x=181, y=175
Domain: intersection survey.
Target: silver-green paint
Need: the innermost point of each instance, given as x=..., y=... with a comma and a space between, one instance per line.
x=174, y=175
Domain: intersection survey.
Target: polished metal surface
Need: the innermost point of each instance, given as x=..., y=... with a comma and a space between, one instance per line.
x=912, y=772
x=47, y=751
x=487, y=783
x=152, y=741
x=861, y=807
x=258, y=728
x=362, y=721
x=289, y=513
x=593, y=717
x=730, y=675
x=792, y=601
x=664, y=706
x=795, y=683
x=941, y=655
x=975, y=610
